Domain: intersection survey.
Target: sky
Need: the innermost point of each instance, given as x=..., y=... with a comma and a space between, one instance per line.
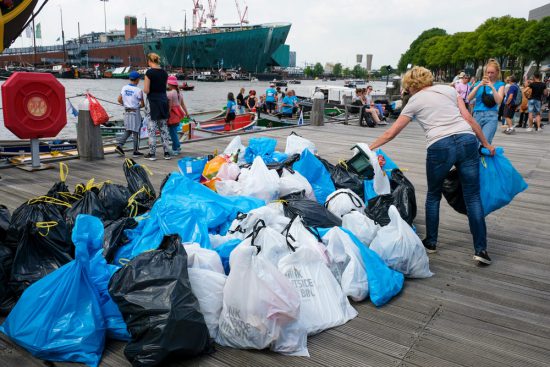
x=322, y=30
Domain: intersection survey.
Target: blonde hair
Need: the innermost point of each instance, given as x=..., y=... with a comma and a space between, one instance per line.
x=153, y=57
x=494, y=63
x=417, y=78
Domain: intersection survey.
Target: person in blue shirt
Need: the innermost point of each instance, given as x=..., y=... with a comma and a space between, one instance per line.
x=510, y=105
x=271, y=98
x=488, y=94
x=296, y=106
x=288, y=105
x=230, y=112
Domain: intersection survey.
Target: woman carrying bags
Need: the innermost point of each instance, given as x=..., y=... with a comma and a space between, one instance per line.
x=177, y=112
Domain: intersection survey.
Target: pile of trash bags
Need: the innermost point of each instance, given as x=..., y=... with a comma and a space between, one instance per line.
x=305, y=237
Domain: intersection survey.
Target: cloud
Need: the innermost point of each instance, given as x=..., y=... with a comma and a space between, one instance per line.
x=322, y=30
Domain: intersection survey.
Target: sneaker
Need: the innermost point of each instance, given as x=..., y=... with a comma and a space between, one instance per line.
x=483, y=258
x=137, y=154
x=430, y=249
x=176, y=152
x=529, y=129
x=518, y=125
x=150, y=157
x=119, y=150
x=167, y=156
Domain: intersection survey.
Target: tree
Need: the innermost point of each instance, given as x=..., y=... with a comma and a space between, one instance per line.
x=346, y=72
x=358, y=72
x=318, y=70
x=414, y=48
x=534, y=40
x=308, y=72
x=337, y=70
x=386, y=70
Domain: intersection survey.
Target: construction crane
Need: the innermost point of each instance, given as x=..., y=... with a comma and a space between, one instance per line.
x=198, y=14
x=212, y=14
x=243, y=17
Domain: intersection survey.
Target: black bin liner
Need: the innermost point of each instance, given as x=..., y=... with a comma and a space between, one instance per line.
x=114, y=199
x=114, y=237
x=404, y=197
x=313, y=213
x=452, y=191
x=345, y=178
x=89, y=204
x=155, y=298
x=5, y=218
x=7, y=299
x=138, y=179
x=377, y=209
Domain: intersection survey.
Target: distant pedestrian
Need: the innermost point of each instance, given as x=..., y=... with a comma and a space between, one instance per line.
x=131, y=97
x=240, y=101
x=463, y=89
x=230, y=112
x=178, y=111
x=523, y=108
x=511, y=104
x=271, y=98
x=539, y=90
x=155, y=88
x=488, y=94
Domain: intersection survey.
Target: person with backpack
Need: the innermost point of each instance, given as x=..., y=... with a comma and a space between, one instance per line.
x=178, y=111
x=523, y=114
x=488, y=94
x=513, y=100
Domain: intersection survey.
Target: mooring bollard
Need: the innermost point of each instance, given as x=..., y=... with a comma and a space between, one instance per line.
x=318, y=109
x=88, y=135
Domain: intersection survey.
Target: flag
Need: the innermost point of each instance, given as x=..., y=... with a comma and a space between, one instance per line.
x=38, y=31
x=301, y=118
x=28, y=31
x=71, y=109
x=58, y=39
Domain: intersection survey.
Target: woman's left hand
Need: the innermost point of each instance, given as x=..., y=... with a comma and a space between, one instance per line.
x=490, y=148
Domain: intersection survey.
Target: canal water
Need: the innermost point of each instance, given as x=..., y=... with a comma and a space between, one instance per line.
x=206, y=96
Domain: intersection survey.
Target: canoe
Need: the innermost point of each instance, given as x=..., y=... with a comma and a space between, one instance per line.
x=217, y=126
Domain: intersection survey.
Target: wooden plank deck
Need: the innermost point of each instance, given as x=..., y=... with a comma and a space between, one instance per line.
x=465, y=315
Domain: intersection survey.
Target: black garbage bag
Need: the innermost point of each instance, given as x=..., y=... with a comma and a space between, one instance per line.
x=142, y=190
x=5, y=218
x=114, y=237
x=114, y=199
x=88, y=204
x=345, y=178
x=155, y=298
x=60, y=190
x=36, y=211
x=313, y=213
x=378, y=207
x=7, y=299
x=404, y=197
x=452, y=191
x=43, y=248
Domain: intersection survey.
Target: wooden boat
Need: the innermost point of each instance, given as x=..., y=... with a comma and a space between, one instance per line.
x=187, y=87
x=217, y=126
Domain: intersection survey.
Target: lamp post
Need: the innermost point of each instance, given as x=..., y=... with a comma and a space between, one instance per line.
x=63, y=35
x=105, y=16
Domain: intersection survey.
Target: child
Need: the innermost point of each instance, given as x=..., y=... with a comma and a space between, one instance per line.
x=132, y=99
x=177, y=112
x=230, y=112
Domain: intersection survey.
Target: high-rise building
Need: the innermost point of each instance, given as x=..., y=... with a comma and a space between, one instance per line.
x=130, y=27
x=540, y=12
x=292, y=59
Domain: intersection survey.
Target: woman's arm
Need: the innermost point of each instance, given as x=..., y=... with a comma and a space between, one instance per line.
x=146, y=85
x=499, y=95
x=474, y=92
x=182, y=104
x=474, y=125
x=392, y=132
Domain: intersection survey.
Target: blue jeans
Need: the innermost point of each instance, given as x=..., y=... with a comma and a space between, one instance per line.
x=461, y=151
x=488, y=120
x=173, y=130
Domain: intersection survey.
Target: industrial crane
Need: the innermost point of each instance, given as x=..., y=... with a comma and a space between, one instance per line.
x=198, y=14
x=212, y=14
x=243, y=17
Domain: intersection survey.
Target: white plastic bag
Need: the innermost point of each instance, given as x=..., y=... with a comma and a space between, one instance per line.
x=400, y=247
x=324, y=305
x=234, y=147
x=260, y=307
x=347, y=264
x=361, y=226
x=298, y=235
x=207, y=286
x=229, y=171
x=229, y=188
x=202, y=258
x=293, y=182
x=261, y=182
x=271, y=245
x=295, y=144
x=343, y=201
x=243, y=225
x=381, y=182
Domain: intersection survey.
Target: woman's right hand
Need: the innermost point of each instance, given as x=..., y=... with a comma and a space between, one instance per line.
x=490, y=148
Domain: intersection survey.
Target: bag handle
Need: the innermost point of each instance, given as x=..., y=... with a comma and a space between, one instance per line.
x=240, y=216
x=353, y=199
x=260, y=224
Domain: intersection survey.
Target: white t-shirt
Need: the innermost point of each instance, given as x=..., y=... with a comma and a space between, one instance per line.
x=436, y=110
x=131, y=96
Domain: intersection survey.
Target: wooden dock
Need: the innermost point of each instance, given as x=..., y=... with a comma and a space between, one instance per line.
x=464, y=315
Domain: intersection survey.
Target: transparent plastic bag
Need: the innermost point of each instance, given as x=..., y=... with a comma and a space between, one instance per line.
x=361, y=226
x=344, y=201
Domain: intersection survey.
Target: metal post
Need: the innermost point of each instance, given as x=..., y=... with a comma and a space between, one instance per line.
x=33, y=40
x=105, y=16
x=63, y=36
x=35, y=153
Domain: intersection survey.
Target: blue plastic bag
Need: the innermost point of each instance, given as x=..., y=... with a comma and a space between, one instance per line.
x=279, y=157
x=384, y=283
x=390, y=165
x=315, y=172
x=192, y=167
x=263, y=147
x=88, y=232
x=499, y=181
x=369, y=191
x=59, y=317
x=225, y=251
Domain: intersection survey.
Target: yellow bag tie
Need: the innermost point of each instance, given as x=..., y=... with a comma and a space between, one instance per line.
x=68, y=195
x=132, y=203
x=63, y=171
x=46, y=226
x=48, y=200
x=344, y=164
x=483, y=162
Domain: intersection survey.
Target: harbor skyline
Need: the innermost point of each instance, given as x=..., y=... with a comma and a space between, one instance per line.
x=323, y=33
